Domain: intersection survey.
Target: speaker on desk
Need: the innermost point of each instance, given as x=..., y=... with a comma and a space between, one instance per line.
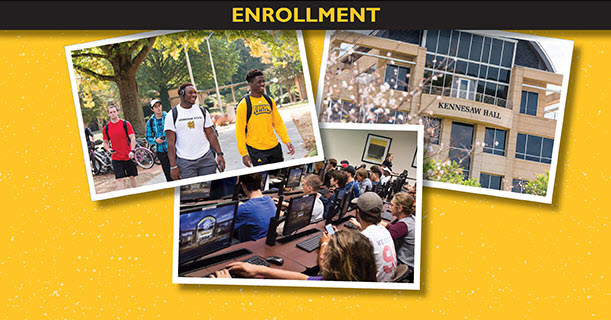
x=271, y=231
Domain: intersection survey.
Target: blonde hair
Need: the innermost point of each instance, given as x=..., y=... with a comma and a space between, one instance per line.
x=349, y=257
x=406, y=202
x=313, y=181
x=363, y=173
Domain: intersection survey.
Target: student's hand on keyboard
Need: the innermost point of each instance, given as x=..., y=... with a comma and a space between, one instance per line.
x=244, y=269
x=221, y=274
x=356, y=223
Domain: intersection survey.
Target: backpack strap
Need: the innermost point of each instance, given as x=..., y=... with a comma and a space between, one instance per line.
x=248, y=110
x=129, y=144
x=174, y=115
x=269, y=100
x=151, y=126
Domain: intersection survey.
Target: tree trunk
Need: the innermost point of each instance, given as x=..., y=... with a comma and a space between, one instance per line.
x=130, y=102
x=164, y=96
x=303, y=93
x=288, y=88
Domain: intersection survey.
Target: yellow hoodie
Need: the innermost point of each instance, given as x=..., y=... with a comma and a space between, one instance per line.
x=261, y=125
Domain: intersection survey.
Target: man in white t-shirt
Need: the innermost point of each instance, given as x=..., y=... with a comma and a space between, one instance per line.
x=368, y=217
x=191, y=139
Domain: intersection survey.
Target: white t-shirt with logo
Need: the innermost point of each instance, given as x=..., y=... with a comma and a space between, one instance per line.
x=384, y=251
x=191, y=141
x=318, y=210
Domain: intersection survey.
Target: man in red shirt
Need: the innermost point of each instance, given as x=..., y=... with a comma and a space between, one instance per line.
x=121, y=135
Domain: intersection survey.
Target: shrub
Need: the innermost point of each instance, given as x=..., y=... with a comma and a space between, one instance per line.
x=448, y=171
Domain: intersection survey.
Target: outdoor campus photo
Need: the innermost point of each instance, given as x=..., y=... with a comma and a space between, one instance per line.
x=163, y=109
x=492, y=102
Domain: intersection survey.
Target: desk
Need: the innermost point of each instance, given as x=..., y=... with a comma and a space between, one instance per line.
x=295, y=259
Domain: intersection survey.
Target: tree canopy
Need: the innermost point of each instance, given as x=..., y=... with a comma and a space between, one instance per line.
x=157, y=64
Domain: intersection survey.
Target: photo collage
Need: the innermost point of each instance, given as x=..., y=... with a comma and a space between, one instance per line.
x=277, y=186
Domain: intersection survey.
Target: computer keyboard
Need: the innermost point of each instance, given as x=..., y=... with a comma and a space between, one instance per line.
x=252, y=260
x=310, y=244
x=350, y=225
x=257, y=261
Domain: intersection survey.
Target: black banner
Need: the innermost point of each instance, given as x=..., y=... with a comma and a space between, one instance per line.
x=303, y=15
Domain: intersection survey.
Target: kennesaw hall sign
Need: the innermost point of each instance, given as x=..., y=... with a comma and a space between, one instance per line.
x=469, y=109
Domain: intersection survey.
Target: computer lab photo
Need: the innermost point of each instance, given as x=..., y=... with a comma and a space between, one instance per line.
x=350, y=221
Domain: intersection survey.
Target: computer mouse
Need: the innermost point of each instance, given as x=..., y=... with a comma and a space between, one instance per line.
x=275, y=260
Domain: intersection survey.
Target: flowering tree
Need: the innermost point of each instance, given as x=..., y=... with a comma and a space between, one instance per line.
x=356, y=92
x=538, y=186
x=447, y=171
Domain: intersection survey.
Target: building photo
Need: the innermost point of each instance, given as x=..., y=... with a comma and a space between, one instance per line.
x=492, y=102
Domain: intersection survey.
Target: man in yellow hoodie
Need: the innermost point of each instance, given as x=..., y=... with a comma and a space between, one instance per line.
x=256, y=119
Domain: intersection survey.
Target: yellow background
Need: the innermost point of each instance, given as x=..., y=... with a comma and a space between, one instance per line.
x=64, y=256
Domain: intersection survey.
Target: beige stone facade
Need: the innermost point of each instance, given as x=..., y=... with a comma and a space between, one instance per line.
x=380, y=53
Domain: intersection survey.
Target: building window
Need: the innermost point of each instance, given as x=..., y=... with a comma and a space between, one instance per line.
x=485, y=62
x=534, y=148
x=432, y=128
x=461, y=142
x=490, y=181
x=397, y=77
x=519, y=185
x=529, y=103
x=494, y=141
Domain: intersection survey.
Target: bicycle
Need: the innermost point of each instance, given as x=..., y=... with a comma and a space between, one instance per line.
x=143, y=157
x=101, y=161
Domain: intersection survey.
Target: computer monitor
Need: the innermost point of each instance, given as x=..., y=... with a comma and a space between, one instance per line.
x=294, y=177
x=299, y=213
x=264, y=177
x=339, y=208
x=195, y=191
x=346, y=201
x=205, y=230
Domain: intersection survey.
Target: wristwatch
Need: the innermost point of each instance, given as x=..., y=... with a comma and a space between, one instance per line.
x=220, y=154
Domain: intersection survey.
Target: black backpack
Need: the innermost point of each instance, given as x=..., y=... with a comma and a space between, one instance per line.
x=249, y=107
x=124, y=128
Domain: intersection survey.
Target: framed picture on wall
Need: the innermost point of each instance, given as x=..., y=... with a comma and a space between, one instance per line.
x=376, y=149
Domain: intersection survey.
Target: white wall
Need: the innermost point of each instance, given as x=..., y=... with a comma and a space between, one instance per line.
x=348, y=144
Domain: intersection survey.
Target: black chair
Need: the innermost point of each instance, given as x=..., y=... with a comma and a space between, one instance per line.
x=401, y=273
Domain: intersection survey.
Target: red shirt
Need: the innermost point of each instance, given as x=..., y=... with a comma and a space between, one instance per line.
x=118, y=139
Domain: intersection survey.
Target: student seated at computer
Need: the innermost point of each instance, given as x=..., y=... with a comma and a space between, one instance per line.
x=345, y=256
x=350, y=182
x=311, y=184
x=386, y=175
x=331, y=166
x=374, y=175
x=252, y=219
x=368, y=217
x=337, y=182
x=362, y=177
x=402, y=228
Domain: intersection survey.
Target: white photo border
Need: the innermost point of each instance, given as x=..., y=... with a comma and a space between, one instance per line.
x=159, y=186
x=323, y=284
x=485, y=191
